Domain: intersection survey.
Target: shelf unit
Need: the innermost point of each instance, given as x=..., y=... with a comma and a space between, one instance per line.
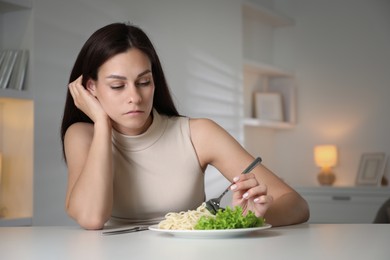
x=16, y=121
x=259, y=73
x=344, y=204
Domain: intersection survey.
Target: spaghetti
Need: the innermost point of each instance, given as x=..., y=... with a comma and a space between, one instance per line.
x=184, y=220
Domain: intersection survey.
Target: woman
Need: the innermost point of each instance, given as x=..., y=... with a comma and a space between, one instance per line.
x=132, y=158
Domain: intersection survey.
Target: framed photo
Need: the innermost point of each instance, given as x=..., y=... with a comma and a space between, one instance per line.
x=371, y=169
x=268, y=106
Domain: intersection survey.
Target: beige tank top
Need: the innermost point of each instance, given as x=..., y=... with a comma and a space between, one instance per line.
x=156, y=172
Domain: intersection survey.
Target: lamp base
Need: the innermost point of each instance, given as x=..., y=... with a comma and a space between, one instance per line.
x=326, y=178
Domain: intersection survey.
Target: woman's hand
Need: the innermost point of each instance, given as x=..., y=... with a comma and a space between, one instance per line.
x=85, y=101
x=250, y=194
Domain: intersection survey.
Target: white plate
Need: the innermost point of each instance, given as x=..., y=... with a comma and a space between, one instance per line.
x=215, y=233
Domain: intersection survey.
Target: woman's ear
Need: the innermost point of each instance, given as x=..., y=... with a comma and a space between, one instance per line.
x=91, y=87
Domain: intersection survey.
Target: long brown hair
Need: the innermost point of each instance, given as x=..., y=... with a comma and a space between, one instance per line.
x=103, y=44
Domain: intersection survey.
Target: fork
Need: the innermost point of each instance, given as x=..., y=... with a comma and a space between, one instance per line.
x=125, y=230
x=213, y=205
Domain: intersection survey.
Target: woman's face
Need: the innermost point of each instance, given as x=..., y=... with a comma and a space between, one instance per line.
x=125, y=89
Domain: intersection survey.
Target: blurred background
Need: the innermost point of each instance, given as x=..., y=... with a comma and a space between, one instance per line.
x=327, y=61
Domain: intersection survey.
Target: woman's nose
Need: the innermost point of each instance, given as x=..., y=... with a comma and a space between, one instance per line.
x=134, y=96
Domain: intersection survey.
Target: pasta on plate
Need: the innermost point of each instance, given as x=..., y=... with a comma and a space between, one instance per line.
x=184, y=220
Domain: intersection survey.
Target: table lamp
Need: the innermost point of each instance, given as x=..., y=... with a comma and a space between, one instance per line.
x=325, y=156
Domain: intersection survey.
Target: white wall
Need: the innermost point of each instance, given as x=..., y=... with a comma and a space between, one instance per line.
x=199, y=43
x=340, y=52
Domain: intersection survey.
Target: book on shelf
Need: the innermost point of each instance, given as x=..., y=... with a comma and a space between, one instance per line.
x=13, y=66
x=19, y=71
x=2, y=55
x=7, y=65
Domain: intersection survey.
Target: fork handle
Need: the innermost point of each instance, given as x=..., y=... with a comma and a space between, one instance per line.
x=252, y=165
x=247, y=170
x=223, y=193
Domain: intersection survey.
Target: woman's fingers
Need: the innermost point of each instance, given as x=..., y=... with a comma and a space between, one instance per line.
x=78, y=81
x=74, y=88
x=256, y=191
x=260, y=206
x=249, y=189
x=250, y=194
x=244, y=182
x=244, y=177
x=263, y=199
x=84, y=100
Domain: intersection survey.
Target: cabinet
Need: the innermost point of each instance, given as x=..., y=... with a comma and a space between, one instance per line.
x=259, y=72
x=344, y=204
x=16, y=121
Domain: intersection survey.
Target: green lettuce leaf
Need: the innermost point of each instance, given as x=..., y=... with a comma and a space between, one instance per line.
x=229, y=219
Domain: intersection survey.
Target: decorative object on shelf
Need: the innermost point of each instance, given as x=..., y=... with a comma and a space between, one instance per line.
x=13, y=66
x=371, y=169
x=269, y=106
x=325, y=156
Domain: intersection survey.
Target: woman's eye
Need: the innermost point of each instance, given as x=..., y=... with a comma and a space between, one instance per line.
x=143, y=83
x=117, y=86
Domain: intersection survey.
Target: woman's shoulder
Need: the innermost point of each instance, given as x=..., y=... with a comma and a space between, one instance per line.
x=203, y=124
x=79, y=130
x=204, y=129
x=81, y=126
x=211, y=141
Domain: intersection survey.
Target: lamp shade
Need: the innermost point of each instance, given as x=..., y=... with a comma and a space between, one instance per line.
x=325, y=155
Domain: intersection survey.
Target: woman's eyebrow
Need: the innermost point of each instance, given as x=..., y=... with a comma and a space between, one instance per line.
x=143, y=73
x=114, y=76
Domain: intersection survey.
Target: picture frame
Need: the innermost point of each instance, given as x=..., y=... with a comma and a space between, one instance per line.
x=269, y=106
x=371, y=169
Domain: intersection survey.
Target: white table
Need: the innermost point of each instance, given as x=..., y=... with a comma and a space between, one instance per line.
x=306, y=241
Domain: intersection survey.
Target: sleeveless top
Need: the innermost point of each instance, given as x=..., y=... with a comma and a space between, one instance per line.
x=155, y=173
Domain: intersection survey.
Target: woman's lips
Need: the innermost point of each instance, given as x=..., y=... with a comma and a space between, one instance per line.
x=134, y=112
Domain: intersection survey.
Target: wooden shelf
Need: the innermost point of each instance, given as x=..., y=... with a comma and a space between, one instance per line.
x=265, y=69
x=268, y=124
x=14, y=5
x=15, y=94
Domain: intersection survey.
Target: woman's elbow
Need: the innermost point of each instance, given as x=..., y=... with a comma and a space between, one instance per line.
x=305, y=211
x=88, y=221
x=289, y=209
x=92, y=223
x=299, y=209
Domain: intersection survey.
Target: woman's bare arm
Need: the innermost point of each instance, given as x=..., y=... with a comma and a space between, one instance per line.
x=90, y=178
x=281, y=204
x=88, y=151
